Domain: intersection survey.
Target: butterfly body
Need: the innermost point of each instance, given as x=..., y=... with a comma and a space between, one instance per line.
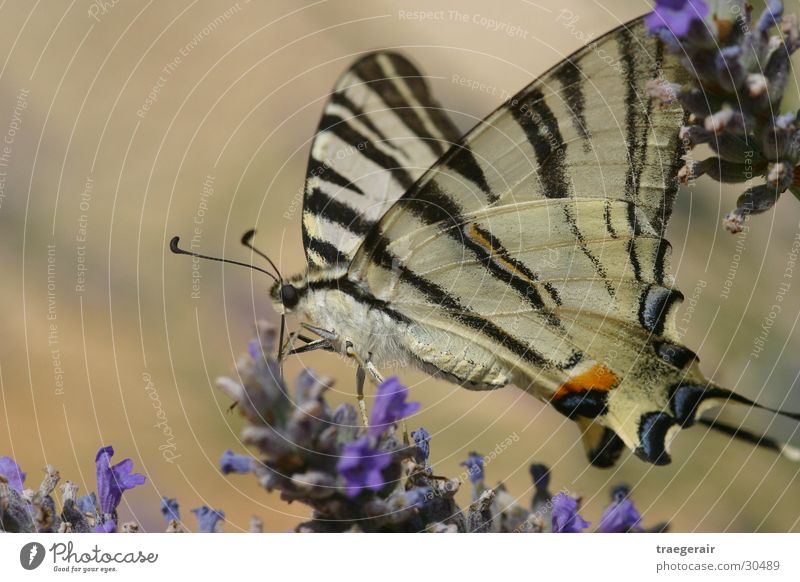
x=531, y=251
x=344, y=309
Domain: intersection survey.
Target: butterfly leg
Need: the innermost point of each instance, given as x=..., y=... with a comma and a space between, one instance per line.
x=378, y=378
x=364, y=366
x=362, y=407
x=288, y=346
x=373, y=371
x=360, y=378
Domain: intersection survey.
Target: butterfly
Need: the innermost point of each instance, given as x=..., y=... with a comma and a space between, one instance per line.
x=531, y=251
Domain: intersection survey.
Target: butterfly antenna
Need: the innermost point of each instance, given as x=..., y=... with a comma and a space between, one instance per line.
x=247, y=239
x=173, y=246
x=280, y=342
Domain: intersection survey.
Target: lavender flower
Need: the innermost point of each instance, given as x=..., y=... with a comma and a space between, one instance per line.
x=361, y=466
x=771, y=16
x=170, y=509
x=566, y=518
x=422, y=445
x=254, y=349
x=230, y=462
x=418, y=497
x=474, y=465
x=208, y=519
x=13, y=474
x=732, y=87
x=677, y=16
x=390, y=406
x=109, y=526
x=621, y=516
x=113, y=481
x=357, y=479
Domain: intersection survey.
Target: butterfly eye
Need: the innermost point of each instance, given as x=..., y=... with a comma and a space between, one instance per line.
x=289, y=296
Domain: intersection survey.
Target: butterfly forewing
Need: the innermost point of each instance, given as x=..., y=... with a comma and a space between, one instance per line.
x=380, y=130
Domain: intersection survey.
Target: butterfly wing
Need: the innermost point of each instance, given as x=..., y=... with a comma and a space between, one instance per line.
x=533, y=251
x=381, y=129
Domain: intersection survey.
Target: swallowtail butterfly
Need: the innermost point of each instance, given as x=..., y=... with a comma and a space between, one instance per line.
x=530, y=251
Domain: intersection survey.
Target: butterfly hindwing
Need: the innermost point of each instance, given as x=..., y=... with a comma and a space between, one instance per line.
x=380, y=130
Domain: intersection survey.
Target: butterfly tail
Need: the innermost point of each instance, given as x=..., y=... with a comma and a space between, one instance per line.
x=715, y=396
x=785, y=449
x=687, y=403
x=648, y=428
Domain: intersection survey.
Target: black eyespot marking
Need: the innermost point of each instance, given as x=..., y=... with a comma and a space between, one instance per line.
x=678, y=356
x=684, y=400
x=588, y=403
x=607, y=451
x=655, y=304
x=653, y=428
x=289, y=296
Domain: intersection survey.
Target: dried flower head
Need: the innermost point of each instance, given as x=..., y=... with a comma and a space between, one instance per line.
x=738, y=73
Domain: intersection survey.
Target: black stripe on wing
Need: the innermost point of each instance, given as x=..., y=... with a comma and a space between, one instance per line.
x=571, y=79
x=581, y=240
x=461, y=159
x=351, y=136
x=322, y=248
x=324, y=171
x=540, y=125
x=385, y=83
x=320, y=204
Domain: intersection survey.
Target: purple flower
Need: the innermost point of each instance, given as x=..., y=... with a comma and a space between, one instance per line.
x=772, y=15
x=474, y=465
x=390, y=406
x=113, y=481
x=207, y=518
x=361, y=466
x=621, y=515
x=230, y=462
x=418, y=497
x=13, y=474
x=422, y=445
x=109, y=526
x=676, y=16
x=255, y=350
x=170, y=509
x=566, y=518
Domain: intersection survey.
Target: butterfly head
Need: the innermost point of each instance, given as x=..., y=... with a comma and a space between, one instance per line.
x=287, y=295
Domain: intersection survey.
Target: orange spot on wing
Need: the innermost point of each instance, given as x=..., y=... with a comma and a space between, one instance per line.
x=598, y=377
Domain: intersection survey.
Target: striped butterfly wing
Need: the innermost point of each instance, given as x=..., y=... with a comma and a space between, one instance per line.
x=533, y=252
x=381, y=129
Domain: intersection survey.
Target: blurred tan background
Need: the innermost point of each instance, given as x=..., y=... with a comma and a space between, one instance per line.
x=132, y=121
